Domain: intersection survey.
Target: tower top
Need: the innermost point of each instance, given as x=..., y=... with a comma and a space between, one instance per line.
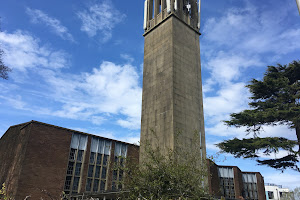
x=156, y=11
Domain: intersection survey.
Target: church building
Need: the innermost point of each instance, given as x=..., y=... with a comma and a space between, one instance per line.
x=40, y=160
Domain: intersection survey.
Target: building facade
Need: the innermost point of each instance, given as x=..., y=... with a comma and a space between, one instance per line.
x=230, y=182
x=172, y=102
x=42, y=160
x=276, y=192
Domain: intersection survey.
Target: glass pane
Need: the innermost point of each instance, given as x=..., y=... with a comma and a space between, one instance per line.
x=101, y=146
x=77, y=169
x=72, y=154
x=88, y=184
x=113, y=187
x=102, y=185
x=94, y=145
x=105, y=159
x=82, y=142
x=99, y=158
x=80, y=155
x=92, y=158
x=116, y=159
x=96, y=184
x=70, y=168
x=68, y=182
x=75, y=141
x=75, y=183
x=121, y=161
x=124, y=150
x=97, y=172
x=120, y=175
x=118, y=149
x=103, y=175
x=115, y=175
x=91, y=170
x=107, y=147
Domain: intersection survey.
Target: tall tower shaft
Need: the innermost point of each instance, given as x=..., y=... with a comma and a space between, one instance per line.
x=172, y=104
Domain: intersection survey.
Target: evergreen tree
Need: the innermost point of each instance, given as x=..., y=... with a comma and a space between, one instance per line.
x=274, y=101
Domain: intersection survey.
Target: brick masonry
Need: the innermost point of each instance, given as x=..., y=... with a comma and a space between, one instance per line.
x=34, y=158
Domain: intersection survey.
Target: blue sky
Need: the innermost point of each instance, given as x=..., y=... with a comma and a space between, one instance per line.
x=78, y=64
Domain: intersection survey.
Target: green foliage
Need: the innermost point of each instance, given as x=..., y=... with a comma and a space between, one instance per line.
x=3, y=193
x=177, y=175
x=274, y=101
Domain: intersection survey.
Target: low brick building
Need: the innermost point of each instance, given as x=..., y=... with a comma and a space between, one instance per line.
x=43, y=161
x=231, y=183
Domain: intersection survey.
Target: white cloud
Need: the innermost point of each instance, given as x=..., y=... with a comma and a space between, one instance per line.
x=253, y=31
x=127, y=57
x=226, y=67
x=108, y=90
x=229, y=98
x=38, y=16
x=132, y=140
x=212, y=146
x=23, y=51
x=100, y=18
x=15, y=101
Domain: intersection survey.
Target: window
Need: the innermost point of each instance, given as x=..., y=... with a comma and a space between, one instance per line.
x=104, y=170
x=99, y=158
x=271, y=195
x=97, y=171
x=91, y=171
x=96, y=184
x=75, y=183
x=105, y=158
x=76, y=158
x=226, y=182
x=79, y=156
x=70, y=168
x=72, y=154
x=77, y=169
x=68, y=182
x=250, y=186
x=119, y=159
x=88, y=185
x=102, y=185
x=92, y=158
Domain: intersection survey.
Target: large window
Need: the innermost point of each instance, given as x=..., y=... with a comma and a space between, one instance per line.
x=226, y=182
x=119, y=159
x=98, y=165
x=76, y=158
x=250, y=186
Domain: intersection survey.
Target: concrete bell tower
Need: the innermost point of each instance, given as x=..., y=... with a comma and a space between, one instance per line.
x=172, y=88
